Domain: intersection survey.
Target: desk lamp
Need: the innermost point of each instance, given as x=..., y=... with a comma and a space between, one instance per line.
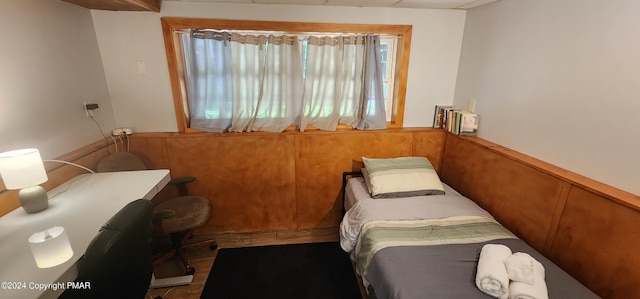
x=23, y=169
x=50, y=247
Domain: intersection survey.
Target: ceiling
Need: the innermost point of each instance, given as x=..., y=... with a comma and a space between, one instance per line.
x=438, y=4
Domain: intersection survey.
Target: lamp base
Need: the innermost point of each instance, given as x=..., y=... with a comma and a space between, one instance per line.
x=33, y=199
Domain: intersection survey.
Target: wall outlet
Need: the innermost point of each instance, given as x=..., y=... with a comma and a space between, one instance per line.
x=88, y=108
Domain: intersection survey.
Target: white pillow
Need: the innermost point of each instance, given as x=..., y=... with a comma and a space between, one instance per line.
x=402, y=177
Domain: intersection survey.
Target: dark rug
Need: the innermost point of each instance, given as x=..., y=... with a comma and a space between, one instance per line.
x=296, y=271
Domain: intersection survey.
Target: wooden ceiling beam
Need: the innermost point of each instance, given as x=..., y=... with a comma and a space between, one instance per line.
x=127, y=5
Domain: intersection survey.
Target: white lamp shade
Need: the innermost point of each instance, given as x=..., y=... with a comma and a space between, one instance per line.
x=22, y=168
x=50, y=247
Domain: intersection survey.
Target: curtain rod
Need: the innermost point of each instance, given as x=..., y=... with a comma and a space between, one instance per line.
x=225, y=34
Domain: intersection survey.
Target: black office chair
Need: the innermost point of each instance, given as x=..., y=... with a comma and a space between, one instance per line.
x=118, y=261
x=175, y=218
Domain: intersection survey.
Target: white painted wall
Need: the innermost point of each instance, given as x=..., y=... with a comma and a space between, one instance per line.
x=49, y=65
x=559, y=81
x=554, y=79
x=144, y=102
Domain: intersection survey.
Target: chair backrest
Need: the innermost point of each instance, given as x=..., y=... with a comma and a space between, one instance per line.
x=120, y=161
x=118, y=261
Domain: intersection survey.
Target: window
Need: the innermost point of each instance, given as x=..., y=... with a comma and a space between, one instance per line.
x=393, y=53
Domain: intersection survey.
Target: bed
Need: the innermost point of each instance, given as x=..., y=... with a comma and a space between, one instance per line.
x=427, y=244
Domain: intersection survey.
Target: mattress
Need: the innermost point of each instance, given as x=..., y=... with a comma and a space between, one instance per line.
x=428, y=246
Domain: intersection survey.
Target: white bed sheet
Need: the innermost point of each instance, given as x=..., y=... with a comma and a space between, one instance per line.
x=362, y=208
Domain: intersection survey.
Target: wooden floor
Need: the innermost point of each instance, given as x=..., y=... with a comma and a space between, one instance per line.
x=202, y=258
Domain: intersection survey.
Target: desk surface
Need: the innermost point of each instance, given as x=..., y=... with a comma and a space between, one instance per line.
x=81, y=205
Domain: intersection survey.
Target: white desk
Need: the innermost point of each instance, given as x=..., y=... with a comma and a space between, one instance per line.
x=81, y=205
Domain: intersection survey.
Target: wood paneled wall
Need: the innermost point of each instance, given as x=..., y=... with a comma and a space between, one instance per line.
x=590, y=229
x=284, y=181
x=257, y=181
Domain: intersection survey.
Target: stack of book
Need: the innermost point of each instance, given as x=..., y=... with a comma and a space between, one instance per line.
x=456, y=120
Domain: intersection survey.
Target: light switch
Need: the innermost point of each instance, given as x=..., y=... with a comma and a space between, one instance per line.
x=142, y=68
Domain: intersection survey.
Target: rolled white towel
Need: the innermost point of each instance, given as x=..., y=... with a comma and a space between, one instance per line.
x=520, y=267
x=537, y=290
x=491, y=276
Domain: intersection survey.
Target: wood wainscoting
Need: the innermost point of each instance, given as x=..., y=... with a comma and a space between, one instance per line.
x=257, y=181
x=277, y=182
x=589, y=229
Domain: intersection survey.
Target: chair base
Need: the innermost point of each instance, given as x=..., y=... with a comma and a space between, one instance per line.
x=157, y=283
x=179, y=244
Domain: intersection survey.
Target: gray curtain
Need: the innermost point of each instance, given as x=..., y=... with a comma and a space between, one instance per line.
x=372, y=108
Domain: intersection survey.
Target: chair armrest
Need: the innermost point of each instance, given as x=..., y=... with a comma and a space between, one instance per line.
x=181, y=183
x=182, y=180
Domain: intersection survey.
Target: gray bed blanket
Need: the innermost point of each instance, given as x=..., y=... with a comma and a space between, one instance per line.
x=448, y=271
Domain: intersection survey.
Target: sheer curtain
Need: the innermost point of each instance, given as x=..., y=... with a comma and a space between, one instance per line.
x=267, y=82
x=209, y=84
x=343, y=83
x=242, y=82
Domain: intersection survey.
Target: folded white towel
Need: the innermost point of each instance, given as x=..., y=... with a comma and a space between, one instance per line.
x=520, y=267
x=491, y=276
x=537, y=290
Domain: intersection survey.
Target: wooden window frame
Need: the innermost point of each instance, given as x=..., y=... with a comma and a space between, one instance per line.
x=171, y=25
